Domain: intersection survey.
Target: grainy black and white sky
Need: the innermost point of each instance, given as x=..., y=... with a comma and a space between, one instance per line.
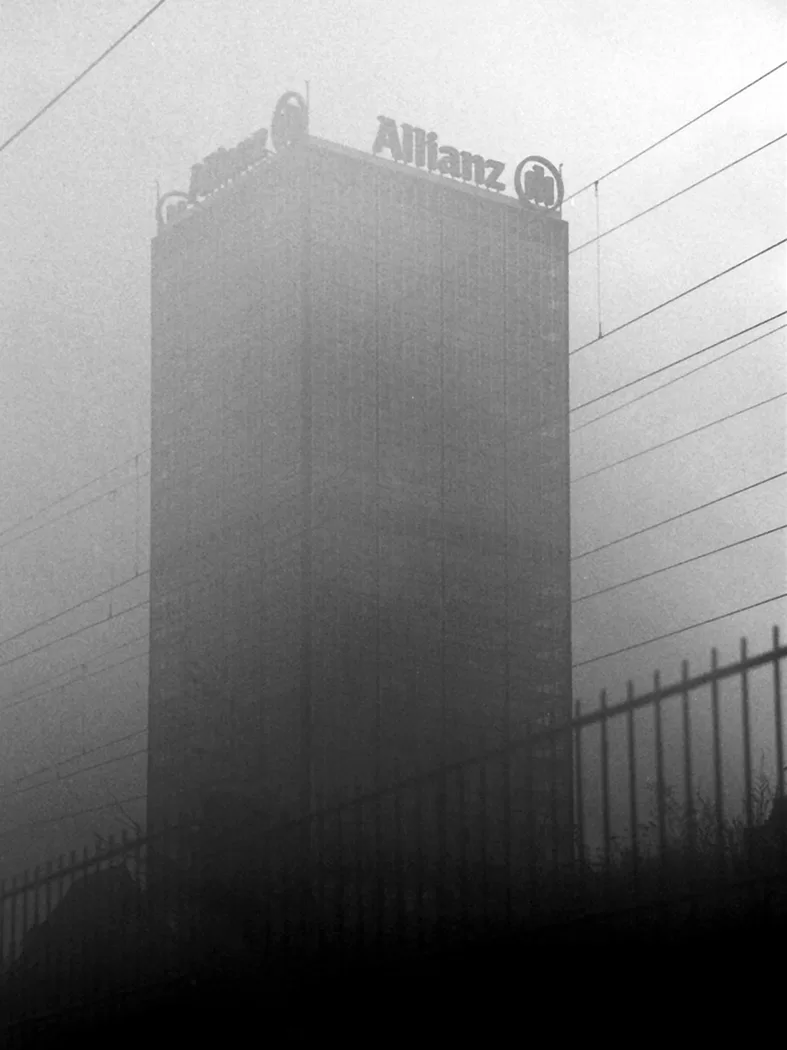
x=587, y=83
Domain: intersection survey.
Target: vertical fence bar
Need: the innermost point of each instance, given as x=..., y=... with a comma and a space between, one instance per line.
x=4, y=955
x=483, y=884
x=47, y=913
x=87, y=944
x=360, y=939
x=380, y=880
x=554, y=817
x=136, y=917
x=778, y=715
x=688, y=776
x=660, y=785
x=419, y=864
x=114, y=954
x=12, y=948
x=401, y=901
x=25, y=879
x=633, y=805
x=717, y=770
x=320, y=867
x=341, y=887
x=441, y=888
x=462, y=831
x=605, y=817
x=62, y=867
x=36, y=888
x=746, y=743
x=28, y=991
x=778, y=719
x=507, y=867
x=580, y=808
x=530, y=816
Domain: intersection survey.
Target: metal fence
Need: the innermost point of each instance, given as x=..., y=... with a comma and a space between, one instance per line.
x=502, y=841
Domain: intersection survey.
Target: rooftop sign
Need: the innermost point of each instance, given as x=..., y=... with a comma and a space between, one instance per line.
x=421, y=148
x=289, y=125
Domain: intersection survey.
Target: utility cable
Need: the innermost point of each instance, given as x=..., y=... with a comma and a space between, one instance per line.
x=681, y=630
x=73, y=634
x=68, y=816
x=678, y=564
x=81, y=76
x=664, y=138
x=79, y=678
x=677, y=379
x=680, y=295
x=673, y=196
x=68, y=495
x=677, y=517
x=57, y=779
x=73, y=758
x=672, y=440
x=672, y=364
x=73, y=510
x=71, y=608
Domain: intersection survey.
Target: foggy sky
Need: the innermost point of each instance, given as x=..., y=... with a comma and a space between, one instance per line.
x=586, y=84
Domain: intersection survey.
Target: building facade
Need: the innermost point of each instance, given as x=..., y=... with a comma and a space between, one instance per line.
x=360, y=480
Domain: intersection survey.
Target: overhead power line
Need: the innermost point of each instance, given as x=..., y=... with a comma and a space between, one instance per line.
x=26, y=825
x=78, y=678
x=681, y=630
x=68, y=495
x=672, y=440
x=678, y=564
x=677, y=517
x=71, y=608
x=664, y=138
x=74, y=773
x=677, y=379
x=71, y=510
x=73, y=758
x=73, y=634
x=680, y=295
x=674, y=196
x=82, y=75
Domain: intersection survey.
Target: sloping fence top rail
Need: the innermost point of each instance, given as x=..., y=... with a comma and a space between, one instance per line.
x=532, y=737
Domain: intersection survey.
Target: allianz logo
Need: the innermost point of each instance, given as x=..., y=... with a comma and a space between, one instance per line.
x=420, y=147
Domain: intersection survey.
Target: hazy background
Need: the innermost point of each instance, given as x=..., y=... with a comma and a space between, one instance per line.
x=587, y=83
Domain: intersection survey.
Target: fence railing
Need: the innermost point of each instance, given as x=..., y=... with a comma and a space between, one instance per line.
x=549, y=827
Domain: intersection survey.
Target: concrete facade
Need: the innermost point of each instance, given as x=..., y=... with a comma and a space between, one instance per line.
x=360, y=481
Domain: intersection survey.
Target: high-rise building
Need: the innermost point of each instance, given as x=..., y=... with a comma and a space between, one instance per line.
x=360, y=471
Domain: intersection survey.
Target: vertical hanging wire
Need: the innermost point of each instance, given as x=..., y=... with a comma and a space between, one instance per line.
x=598, y=259
x=378, y=708
x=137, y=530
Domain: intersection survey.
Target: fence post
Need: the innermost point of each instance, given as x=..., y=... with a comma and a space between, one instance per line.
x=717, y=770
x=401, y=899
x=745, y=718
x=359, y=870
x=633, y=806
x=3, y=953
x=484, y=881
x=688, y=781
x=778, y=717
x=580, y=809
x=605, y=784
